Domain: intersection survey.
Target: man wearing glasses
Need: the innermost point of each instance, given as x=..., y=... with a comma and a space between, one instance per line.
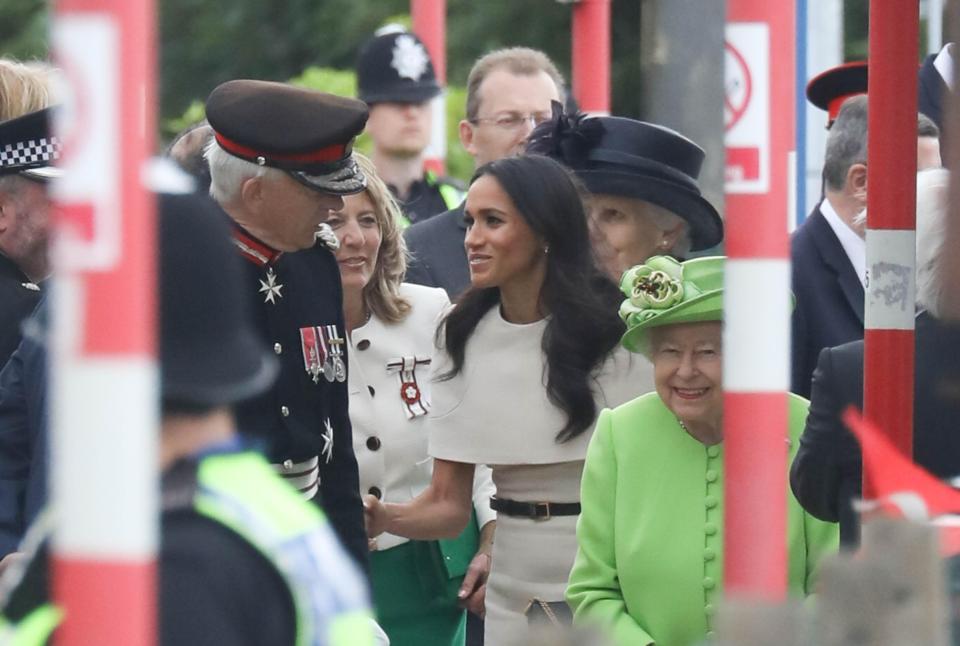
x=508, y=93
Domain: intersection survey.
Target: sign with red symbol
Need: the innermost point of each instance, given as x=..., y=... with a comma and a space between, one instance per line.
x=87, y=48
x=746, y=107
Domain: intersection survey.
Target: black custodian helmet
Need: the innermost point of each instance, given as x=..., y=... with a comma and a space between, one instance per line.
x=396, y=67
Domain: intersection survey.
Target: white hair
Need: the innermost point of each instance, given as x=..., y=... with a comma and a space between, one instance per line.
x=932, y=205
x=228, y=173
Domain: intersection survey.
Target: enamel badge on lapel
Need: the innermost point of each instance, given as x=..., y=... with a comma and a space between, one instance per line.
x=334, y=368
x=314, y=351
x=414, y=404
x=270, y=287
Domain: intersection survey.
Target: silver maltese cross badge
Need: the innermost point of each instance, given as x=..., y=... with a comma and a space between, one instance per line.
x=270, y=288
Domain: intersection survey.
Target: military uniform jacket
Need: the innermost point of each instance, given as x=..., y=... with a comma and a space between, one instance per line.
x=297, y=306
x=18, y=297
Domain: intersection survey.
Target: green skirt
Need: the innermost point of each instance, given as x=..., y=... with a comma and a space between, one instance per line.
x=415, y=598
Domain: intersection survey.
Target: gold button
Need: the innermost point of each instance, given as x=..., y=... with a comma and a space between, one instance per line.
x=277, y=348
x=285, y=411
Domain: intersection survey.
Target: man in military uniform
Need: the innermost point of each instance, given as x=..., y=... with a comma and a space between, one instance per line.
x=395, y=78
x=27, y=152
x=243, y=560
x=280, y=160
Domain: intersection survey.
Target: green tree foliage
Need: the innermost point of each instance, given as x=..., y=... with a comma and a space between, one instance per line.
x=206, y=42
x=23, y=29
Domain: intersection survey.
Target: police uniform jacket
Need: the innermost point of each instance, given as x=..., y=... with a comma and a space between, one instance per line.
x=304, y=416
x=389, y=406
x=431, y=196
x=18, y=297
x=23, y=435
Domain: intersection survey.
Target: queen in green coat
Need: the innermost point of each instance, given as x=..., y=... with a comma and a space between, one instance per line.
x=649, y=565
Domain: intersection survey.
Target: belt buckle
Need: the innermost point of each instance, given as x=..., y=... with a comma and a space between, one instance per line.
x=544, y=514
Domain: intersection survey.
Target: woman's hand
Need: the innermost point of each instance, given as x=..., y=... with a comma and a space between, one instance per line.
x=374, y=515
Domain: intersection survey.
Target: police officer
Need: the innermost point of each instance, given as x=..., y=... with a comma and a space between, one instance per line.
x=280, y=160
x=396, y=79
x=27, y=152
x=244, y=560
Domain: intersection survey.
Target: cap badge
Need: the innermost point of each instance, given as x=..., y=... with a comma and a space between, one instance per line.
x=409, y=58
x=270, y=287
x=414, y=404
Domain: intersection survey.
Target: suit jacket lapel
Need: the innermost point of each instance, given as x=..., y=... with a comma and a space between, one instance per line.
x=836, y=258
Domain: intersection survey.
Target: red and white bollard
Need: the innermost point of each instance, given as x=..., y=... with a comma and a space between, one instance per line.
x=760, y=40
x=104, y=373
x=430, y=25
x=891, y=223
x=591, y=55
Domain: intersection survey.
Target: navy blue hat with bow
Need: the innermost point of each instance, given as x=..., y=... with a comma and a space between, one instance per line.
x=635, y=159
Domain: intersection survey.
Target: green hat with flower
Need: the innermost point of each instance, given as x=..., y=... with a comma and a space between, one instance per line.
x=663, y=291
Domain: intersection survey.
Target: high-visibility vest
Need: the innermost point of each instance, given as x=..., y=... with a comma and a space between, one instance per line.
x=242, y=492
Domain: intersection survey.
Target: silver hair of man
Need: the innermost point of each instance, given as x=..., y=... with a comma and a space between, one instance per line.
x=228, y=173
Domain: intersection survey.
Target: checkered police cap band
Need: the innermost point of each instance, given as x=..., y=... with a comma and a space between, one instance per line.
x=23, y=155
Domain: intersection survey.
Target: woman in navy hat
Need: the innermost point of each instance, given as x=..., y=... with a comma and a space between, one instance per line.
x=644, y=199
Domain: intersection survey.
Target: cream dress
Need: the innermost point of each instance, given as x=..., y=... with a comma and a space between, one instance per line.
x=496, y=412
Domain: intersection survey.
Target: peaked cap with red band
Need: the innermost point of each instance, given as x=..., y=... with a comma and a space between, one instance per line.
x=829, y=89
x=307, y=133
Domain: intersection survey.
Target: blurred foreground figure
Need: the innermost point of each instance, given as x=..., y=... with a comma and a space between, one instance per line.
x=244, y=559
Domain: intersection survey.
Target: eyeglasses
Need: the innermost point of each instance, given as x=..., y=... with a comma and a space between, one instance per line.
x=514, y=120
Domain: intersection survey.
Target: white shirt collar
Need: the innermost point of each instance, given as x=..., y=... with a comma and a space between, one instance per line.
x=853, y=245
x=944, y=64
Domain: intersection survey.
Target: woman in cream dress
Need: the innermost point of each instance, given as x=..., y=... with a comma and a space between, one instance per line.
x=390, y=328
x=528, y=361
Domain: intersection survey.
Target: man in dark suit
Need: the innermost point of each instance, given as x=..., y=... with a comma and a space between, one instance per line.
x=826, y=472
x=828, y=251
x=508, y=93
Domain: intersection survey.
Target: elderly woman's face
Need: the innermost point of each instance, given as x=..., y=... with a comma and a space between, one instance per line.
x=624, y=233
x=687, y=362
x=358, y=230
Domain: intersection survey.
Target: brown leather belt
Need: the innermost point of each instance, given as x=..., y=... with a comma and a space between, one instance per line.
x=535, y=510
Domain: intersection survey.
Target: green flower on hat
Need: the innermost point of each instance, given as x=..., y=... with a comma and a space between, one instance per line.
x=653, y=287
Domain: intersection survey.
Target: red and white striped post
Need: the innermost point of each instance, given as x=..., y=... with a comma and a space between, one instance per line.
x=104, y=377
x=591, y=55
x=891, y=222
x=760, y=56
x=430, y=25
